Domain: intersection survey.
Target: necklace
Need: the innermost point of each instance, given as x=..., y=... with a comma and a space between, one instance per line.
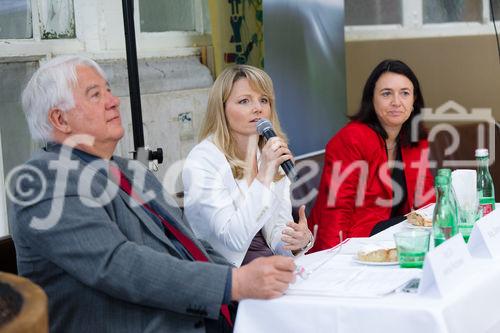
x=391, y=147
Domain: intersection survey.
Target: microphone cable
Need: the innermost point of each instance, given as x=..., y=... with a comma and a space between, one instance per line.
x=495, y=26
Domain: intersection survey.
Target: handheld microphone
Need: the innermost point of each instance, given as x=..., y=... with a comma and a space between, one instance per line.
x=265, y=128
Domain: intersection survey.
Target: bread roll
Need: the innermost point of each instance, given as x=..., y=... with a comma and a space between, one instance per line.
x=374, y=253
x=418, y=219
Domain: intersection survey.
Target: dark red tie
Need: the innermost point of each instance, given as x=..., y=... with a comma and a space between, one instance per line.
x=188, y=244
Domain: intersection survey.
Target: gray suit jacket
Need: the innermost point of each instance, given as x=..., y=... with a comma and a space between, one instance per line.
x=105, y=265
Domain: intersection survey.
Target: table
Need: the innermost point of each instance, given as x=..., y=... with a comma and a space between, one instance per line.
x=473, y=308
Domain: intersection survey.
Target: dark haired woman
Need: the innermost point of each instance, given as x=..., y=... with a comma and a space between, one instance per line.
x=376, y=167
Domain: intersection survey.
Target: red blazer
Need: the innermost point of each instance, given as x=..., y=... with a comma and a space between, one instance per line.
x=355, y=191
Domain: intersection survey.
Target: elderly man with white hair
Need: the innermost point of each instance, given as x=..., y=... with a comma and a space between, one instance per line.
x=98, y=232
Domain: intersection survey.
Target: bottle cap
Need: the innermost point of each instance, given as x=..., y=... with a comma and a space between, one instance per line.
x=441, y=180
x=482, y=152
x=444, y=172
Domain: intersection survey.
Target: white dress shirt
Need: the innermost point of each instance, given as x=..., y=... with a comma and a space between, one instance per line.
x=228, y=212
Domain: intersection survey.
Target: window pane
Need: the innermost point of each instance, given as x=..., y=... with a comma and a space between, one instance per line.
x=442, y=11
x=57, y=19
x=496, y=10
x=16, y=140
x=15, y=19
x=167, y=15
x=206, y=17
x=16, y=144
x=363, y=12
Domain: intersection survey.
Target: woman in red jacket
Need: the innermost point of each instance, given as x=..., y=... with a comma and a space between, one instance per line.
x=376, y=167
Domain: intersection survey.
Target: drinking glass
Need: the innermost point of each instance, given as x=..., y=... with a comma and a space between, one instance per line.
x=412, y=247
x=468, y=214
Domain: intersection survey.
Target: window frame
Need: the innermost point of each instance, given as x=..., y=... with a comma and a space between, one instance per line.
x=100, y=34
x=150, y=41
x=413, y=26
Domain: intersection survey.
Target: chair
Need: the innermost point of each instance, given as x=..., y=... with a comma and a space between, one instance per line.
x=465, y=151
x=23, y=305
x=8, y=258
x=305, y=190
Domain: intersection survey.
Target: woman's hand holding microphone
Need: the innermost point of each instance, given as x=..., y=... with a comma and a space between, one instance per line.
x=274, y=152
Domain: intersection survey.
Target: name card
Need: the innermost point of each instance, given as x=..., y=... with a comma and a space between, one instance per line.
x=445, y=267
x=484, y=240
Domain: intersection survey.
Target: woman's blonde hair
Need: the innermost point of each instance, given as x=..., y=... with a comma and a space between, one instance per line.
x=215, y=122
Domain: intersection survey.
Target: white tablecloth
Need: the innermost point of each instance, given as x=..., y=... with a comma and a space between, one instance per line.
x=475, y=307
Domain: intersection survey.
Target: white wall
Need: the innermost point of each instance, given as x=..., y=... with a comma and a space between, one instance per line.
x=166, y=128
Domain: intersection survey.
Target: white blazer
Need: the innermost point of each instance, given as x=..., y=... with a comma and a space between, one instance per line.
x=227, y=212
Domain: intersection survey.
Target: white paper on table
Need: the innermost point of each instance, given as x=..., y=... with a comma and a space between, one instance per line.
x=464, y=185
x=353, y=282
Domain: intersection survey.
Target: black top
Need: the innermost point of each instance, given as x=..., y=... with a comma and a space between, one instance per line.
x=398, y=178
x=258, y=248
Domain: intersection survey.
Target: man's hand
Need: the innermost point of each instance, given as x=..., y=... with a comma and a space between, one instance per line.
x=263, y=278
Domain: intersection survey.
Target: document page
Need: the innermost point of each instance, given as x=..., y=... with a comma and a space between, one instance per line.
x=352, y=281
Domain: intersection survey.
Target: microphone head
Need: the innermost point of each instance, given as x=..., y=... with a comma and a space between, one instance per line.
x=262, y=125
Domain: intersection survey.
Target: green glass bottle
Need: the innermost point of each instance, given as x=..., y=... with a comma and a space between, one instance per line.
x=485, y=188
x=453, y=197
x=463, y=227
x=444, y=218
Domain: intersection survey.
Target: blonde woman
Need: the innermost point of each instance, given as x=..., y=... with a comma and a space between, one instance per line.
x=236, y=197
